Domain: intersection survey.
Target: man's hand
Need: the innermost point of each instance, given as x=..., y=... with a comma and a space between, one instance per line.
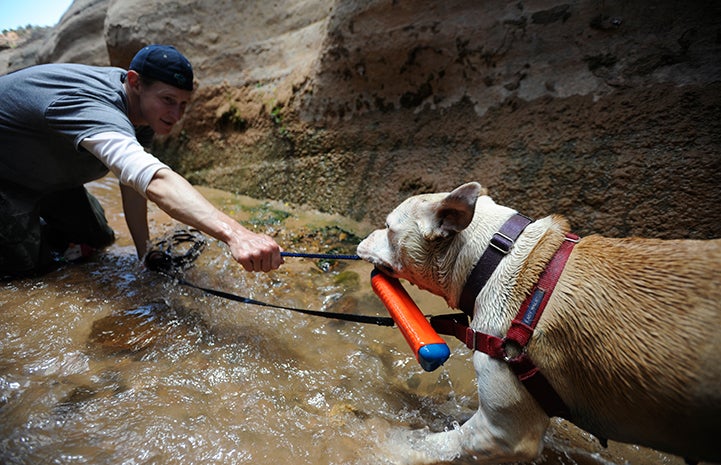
x=255, y=252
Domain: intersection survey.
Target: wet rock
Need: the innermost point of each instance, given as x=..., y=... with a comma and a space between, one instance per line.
x=130, y=330
x=137, y=329
x=81, y=395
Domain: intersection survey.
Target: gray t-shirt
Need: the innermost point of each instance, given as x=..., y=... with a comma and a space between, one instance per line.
x=47, y=110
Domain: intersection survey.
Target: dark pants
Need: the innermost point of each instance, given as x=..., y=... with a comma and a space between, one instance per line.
x=34, y=228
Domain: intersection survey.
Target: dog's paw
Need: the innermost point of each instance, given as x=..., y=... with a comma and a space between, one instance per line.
x=400, y=446
x=418, y=447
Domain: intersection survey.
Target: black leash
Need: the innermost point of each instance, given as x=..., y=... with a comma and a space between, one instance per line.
x=167, y=260
x=377, y=320
x=326, y=256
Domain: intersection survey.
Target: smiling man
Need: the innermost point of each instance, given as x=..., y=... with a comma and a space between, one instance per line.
x=63, y=125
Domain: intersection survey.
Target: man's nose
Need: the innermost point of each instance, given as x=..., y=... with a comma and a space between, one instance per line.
x=177, y=112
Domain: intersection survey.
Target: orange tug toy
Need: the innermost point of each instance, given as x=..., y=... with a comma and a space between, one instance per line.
x=430, y=350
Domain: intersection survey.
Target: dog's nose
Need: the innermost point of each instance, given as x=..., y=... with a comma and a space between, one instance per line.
x=360, y=249
x=364, y=248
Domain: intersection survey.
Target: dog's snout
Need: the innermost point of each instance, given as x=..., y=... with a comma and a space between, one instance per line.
x=375, y=249
x=362, y=249
x=365, y=248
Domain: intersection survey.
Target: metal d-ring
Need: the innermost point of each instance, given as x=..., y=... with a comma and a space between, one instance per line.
x=510, y=342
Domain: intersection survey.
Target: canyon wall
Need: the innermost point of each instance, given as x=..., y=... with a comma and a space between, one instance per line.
x=607, y=112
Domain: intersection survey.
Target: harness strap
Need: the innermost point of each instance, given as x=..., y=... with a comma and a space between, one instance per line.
x=501, y=244
x=519, y=334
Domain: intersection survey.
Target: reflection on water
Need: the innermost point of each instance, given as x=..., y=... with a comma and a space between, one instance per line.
x=107, y=363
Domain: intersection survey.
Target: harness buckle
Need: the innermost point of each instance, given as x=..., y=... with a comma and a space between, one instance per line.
x=572, y=238
x=502, y=243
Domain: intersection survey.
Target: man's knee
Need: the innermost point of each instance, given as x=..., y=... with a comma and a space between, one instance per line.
x=75, y=216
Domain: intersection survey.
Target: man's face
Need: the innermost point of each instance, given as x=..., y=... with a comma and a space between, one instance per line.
x=162, y=105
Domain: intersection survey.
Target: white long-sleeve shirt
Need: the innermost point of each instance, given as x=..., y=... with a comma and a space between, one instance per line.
x=125, y=157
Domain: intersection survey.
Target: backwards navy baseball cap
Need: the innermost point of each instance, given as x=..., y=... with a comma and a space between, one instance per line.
x=164, y=63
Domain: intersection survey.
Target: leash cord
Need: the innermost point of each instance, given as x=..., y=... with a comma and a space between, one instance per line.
x=377, y=320
x=326, y=256
x=163, y=261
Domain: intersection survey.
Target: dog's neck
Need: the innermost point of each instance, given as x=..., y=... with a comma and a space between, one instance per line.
x=501, y=244
x=497, y=301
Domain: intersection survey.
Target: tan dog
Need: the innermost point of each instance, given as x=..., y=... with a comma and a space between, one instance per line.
x=628, y=340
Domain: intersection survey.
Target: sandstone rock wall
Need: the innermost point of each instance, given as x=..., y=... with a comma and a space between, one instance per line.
x=232, y=41
x=78, y=37
x=428, y=54
x=20, y=50
x=608, y=112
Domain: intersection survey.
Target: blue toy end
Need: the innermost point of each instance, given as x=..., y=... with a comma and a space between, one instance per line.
x=432, y=356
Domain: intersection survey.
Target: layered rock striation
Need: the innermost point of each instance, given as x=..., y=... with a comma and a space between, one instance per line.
x=607, y=112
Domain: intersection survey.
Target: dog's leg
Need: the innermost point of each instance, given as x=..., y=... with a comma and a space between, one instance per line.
x=509, y=426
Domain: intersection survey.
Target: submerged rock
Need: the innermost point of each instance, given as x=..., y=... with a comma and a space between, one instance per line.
x=137, y=329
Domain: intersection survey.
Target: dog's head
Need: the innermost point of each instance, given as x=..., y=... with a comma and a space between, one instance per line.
x=421, y=242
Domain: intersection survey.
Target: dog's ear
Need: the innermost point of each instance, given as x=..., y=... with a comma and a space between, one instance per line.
x=455, y=212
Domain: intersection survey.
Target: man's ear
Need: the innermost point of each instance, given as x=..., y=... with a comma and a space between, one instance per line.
x=133, y=79
x=455, y=212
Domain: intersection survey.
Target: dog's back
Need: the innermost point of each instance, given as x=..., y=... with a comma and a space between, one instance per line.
x=639, y=321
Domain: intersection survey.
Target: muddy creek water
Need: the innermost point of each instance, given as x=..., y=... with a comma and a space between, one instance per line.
x=105, y=362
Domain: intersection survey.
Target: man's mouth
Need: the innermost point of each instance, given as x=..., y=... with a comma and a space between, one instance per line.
x=164, y=127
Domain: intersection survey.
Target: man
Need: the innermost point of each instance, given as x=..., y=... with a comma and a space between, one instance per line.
x=62, y=125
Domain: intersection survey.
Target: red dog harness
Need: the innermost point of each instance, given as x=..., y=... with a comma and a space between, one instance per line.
x=522, y=326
